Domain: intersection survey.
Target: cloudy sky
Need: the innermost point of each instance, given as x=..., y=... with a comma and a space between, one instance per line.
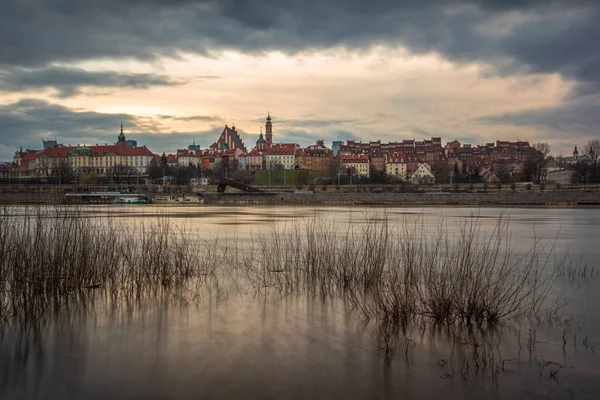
x=177, y=71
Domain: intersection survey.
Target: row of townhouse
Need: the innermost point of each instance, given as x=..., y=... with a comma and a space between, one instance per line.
x=429, y=150
x=465, y=159
x=396, y=165
x=407, y=160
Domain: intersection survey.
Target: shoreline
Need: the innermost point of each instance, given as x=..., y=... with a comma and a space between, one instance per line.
x=533, y=199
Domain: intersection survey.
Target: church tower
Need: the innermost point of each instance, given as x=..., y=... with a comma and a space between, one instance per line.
x=575, y=154
x=269, y=131
x=121, y=138
x=260, y=143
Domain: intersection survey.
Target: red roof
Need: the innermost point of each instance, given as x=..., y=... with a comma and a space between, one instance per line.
x=355, y=158
x=395, y=158
x=254, y=152
x=132, y=151
x=316, y=152
x=57, y=152
x=225, y=153
x=119, y=150
x=282, y=149
x=29, y=156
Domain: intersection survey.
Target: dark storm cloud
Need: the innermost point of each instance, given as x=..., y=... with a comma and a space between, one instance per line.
x=69, y=81
x=31, y=119
x=558, y=36
x=574, y=118
x=27, y=122
x=513, y=36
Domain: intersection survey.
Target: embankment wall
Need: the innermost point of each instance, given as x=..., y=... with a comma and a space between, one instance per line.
x=332, y=198
x=501, y=199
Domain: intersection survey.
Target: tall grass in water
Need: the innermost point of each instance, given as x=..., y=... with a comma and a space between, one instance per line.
x=404, y=271
x=396, y=273
x=391, y=272
x=50, y=257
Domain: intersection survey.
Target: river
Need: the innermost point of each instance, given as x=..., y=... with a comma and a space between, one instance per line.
x=276, y=346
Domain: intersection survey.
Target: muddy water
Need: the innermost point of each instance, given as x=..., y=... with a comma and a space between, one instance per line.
x=297, y=347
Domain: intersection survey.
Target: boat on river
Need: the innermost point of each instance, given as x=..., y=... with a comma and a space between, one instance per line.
x=106, y=198
x=131, y=200
x=172, y=199
x=164, y=199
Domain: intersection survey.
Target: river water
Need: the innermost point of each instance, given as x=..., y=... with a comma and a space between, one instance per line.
x=268, y=346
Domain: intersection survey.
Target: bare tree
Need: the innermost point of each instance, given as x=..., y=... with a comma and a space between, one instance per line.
x=64, y=171
x=503, y=172
x=156, y=171
x=441, y=171
x=543, y=148
x=44, y=167
x=592, y=152
x=120, y=173
x=183, y=175
x=540, y=159
x=529, y=169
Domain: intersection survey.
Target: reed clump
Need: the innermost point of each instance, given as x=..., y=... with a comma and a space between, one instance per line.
x=50, y=258
x=392, y=272
x=400, y=272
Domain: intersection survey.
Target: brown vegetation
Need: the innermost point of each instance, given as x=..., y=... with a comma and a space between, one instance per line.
x=395, y=274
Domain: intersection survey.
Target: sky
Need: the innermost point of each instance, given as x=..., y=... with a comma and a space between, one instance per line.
x=177, y=71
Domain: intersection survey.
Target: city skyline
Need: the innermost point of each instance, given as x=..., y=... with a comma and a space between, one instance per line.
x=475, y=71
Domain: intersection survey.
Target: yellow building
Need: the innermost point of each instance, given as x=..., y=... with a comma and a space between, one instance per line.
x=357, y=163
x=396, y=166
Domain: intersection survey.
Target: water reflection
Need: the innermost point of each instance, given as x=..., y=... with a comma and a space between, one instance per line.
x=268, y=347
x=299, y=346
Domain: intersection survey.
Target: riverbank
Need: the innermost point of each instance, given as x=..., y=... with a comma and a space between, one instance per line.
x=333, y=198
x=467, y=199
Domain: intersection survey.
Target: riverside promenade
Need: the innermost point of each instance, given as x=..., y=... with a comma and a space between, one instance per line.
x=467, y=195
